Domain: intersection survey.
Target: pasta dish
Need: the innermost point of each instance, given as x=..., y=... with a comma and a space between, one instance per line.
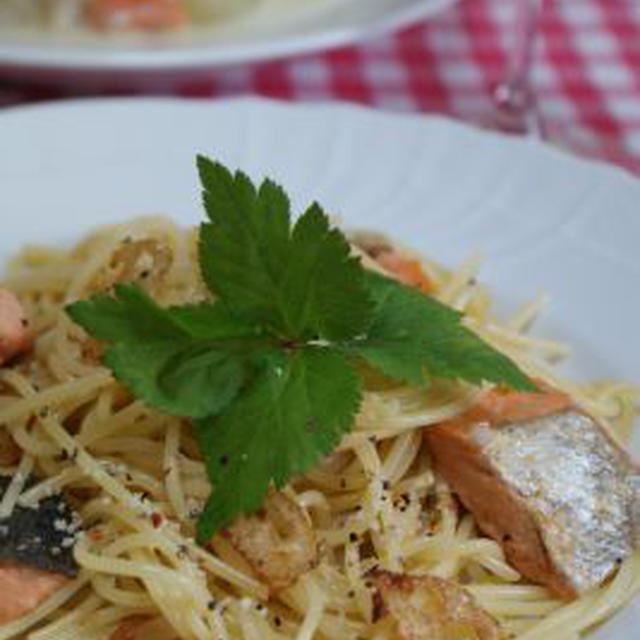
x=448, y=511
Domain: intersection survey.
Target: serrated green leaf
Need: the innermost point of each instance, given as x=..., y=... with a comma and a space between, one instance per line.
x=212, y=321
x=300, y=283
x=323, y=285
x=159, y=354
x=413, y=337
x=243, y=247
x=293, y=413
x=127, y=315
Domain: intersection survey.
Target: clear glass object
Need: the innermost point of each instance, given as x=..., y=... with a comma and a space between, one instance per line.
x=516, y=110
x=514, y=98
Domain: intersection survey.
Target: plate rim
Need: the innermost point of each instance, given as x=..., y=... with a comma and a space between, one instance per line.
x=370, y=111
x=135, y=59
x=588, y=166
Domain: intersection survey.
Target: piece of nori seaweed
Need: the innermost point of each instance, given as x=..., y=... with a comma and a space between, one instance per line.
x=40, y=537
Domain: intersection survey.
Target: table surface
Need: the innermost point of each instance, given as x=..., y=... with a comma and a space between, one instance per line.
x=586, y=73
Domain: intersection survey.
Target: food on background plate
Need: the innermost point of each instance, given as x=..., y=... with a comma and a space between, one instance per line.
x=152, y=15
x=259, y=429
x=103, y=16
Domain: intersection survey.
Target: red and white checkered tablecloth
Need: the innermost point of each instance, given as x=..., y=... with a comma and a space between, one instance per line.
x=586, y=72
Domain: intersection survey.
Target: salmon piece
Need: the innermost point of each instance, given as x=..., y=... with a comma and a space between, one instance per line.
x=431, y=608
x=394, y=262
x=544, y=480
x=405, y=270
x=149, y=15
x=15, y=335
x=128, y=629
x=23, y=589
x=278, y=542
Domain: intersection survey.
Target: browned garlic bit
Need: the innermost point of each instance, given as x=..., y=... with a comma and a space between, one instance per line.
x=430, y=608
x=546, y=481
x=279, y=542
x=144, y=262
x=372, y=243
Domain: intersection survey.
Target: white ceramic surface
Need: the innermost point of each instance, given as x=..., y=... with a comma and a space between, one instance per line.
x=545, y=221
x=285, y=27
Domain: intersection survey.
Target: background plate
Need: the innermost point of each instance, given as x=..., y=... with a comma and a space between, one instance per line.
x=545, y=221
x=263, y=34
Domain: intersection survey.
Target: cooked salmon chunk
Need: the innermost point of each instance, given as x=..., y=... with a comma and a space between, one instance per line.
x=15, y=336
x=23, y=589
x=546, y=481
x=430, y=608
x=128, y=629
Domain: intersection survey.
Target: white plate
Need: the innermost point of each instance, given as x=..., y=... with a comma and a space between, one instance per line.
x=264, y=34
x=545, y=220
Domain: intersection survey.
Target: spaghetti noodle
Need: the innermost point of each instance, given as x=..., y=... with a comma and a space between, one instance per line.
x=136, y=479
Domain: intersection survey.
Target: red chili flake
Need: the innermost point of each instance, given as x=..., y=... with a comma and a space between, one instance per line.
x=378, y=606
x=96, y=534
x=156, y=519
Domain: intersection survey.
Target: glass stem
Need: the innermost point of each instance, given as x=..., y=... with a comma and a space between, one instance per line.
x=513, y=96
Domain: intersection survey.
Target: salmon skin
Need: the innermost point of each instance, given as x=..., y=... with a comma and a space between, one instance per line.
x=40, y=536
x=544, y=479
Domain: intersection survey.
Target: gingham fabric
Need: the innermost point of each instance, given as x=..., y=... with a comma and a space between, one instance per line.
x=586, y=72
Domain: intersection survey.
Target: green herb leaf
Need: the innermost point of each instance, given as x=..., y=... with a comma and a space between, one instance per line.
x=266, y=370
x=413, y=337
x=161, y=356
x=299, y=283
x=293, y=413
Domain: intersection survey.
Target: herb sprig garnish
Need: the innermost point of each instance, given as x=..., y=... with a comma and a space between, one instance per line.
x=267, y=370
